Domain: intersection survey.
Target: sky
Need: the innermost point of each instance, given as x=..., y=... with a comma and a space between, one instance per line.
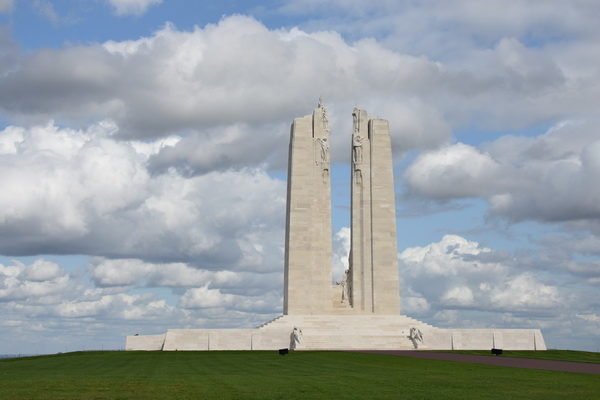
x=143, y=154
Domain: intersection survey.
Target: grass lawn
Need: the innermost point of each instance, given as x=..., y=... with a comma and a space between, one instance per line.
x=267, y=375
x=561, y=355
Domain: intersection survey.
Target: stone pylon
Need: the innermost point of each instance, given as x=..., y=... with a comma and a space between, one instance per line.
x=373, y=273
x=307, y=273
x=363, y=311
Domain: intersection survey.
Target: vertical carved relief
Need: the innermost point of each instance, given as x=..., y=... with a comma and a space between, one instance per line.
x=357, y=147
x=322, y=157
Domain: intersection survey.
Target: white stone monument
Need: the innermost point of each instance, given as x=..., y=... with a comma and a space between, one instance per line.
x=373, y=256
x=363, y=311
x=307, y=270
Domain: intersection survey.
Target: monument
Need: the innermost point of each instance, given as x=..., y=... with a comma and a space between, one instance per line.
x=373, y=272
x=307, y=271
x=363, y=310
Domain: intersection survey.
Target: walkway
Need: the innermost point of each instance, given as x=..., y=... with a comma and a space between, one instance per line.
x=530, y=363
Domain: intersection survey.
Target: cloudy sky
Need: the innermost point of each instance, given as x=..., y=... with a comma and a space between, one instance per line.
x=143, y=150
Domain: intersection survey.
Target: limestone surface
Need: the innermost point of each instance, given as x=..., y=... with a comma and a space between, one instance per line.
x=373, y=272
x=307, y=269
x=363, y=311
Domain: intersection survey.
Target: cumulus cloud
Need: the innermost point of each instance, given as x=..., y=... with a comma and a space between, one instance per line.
x=459, y=274
x=136, y=273
x=457, y=282
x=42, y=270
x=204, y=297
x=82, y=191
x=545, y=178
x=236, y=82
x=132, y=7
x=37, y=282
x=524, y=291
x=341, y=251
x=230, y=147
x=44, y=301
x=236, y=74
x=427, y=25
x=44, y=288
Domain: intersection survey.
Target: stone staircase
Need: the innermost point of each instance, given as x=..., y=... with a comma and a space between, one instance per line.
x=316, y=341
x=269, y=322
x=350, y=331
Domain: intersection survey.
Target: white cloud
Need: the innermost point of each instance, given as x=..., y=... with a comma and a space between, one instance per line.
x=341, y=251
x=82, y=191
x=215, y=85
x=10, y=138
x=525, y=292
x=456, y=273
x=413, y=303
x=545, y=178
x=459, y=283
x=136, y=273
x=41, y=281
x=233, y=146
x=428, y=25
x=42, y=301
x=132, y=7
x=448, y=258
x=459, y=295
x=232, y=84
x=204, y=297
x=457, y=170
x=42, y=270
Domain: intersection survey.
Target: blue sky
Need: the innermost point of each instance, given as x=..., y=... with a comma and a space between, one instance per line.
x=143, y=150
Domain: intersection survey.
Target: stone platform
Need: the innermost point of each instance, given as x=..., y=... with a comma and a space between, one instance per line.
x=340, y=332
x=362, y=311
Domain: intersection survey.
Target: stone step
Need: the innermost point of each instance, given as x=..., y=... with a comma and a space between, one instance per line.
x=349, y=322
x=336, y=342
x=270, y=322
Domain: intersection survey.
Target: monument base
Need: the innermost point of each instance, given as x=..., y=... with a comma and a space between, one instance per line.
x=341, y=332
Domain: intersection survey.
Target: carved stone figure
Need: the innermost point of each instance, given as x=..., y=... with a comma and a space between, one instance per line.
x=296, y=338
x=358, y=176
x=324, y=149
x=324, y=117
x=344, y=285
x=416, y=336
x=355, y=120
x=357, y=147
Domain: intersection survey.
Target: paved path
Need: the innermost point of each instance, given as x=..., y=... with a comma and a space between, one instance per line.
x=531, y=363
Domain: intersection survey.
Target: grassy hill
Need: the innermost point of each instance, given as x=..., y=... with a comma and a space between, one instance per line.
x=267, y=375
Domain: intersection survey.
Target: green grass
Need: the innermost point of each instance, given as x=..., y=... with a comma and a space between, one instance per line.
x=561, y=355
x=266, y=375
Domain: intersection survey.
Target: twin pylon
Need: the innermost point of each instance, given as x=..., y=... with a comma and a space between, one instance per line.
x=371, y=283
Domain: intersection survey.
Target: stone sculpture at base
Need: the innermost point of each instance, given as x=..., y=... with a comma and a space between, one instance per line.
x=363, y=310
